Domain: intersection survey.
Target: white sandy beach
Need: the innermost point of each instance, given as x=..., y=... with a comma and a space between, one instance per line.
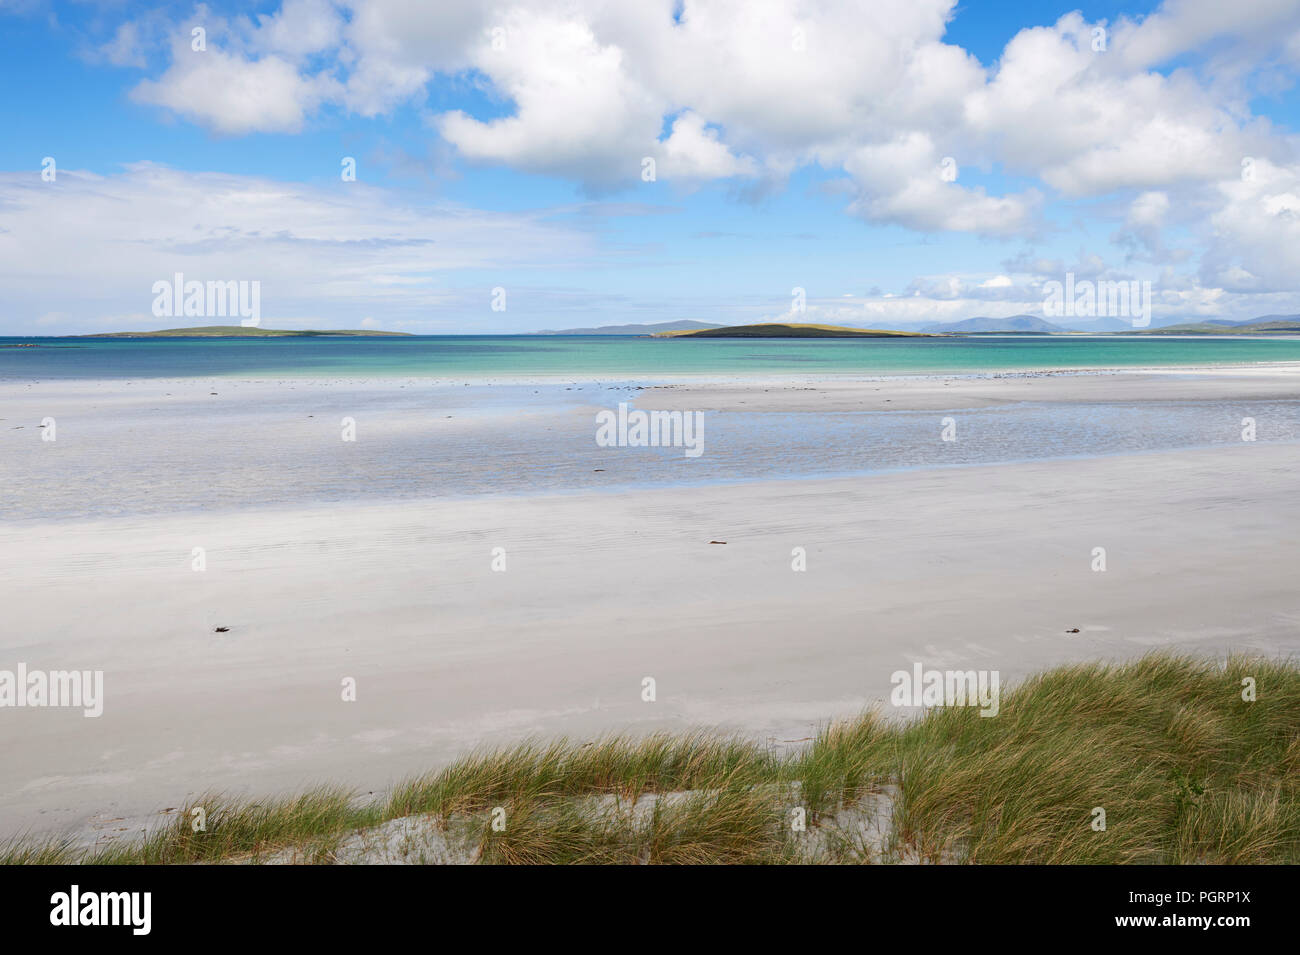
x=983, y=567
x=933, y=393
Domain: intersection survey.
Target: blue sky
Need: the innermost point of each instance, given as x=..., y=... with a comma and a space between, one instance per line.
x=501, y=145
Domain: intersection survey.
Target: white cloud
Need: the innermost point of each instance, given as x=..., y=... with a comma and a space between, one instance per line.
x=125, y=49
x=1180, y=26
x=693, y=151
x=577, y=111
x=756, y=89
x=231, y=93
x=299, y=28
x=91, y=247
x=1074, y=117
x=902, y=182
x=1256, y=232
x=1149, y=210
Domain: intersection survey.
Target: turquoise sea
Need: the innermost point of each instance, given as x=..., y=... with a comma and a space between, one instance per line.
x=477, y=356
x=441, y=418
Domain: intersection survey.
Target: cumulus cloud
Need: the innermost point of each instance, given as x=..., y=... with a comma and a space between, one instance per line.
x=235, y=95
x=913, y=310
x=299, y=28
x=1143, y=230
x=1150, y=114
x=904, y=182
x=218, y=80
x=577, y=110
x=694, y=151
x=1256, y=231
x=1181, y=26
x=1061, y=110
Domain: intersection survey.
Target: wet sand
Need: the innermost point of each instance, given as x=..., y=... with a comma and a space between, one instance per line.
x=985, y=567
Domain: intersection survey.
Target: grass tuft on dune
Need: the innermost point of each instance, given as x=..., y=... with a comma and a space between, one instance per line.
x=1185, y=770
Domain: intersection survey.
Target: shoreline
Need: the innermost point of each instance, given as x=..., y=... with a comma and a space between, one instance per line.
x=1228, y=369
x=569, y=493
x=232, y=445
x=266, y=444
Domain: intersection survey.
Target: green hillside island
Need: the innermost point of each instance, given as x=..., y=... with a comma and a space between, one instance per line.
x=240, y=331
x=1283, y=326
x=791, y=331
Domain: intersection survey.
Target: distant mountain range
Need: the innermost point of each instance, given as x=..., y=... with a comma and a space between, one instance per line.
x=1032, y=324
x=1267, y=324
x=652, y=329
x=1025, y=324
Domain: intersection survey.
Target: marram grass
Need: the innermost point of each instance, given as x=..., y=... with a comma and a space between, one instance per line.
x=1184, y=769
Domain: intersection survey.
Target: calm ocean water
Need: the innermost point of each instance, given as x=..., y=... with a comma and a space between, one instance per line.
x=165, y=448
x=522, y=355
x=266, y=437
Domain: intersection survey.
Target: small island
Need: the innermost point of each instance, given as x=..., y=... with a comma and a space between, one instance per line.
x=1260, y=326
x=793, y=330
x=241, y=331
